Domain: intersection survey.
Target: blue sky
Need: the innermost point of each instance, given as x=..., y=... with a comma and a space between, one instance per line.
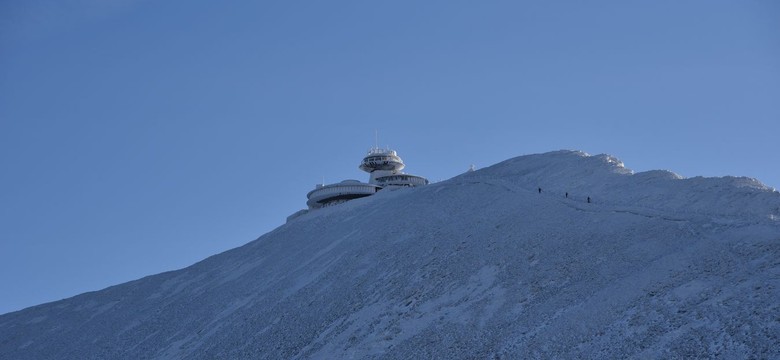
x=142, y=136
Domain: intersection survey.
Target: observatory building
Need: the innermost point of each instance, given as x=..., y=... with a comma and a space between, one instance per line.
x=384, y=167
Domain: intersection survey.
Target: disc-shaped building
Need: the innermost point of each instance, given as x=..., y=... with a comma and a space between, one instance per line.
x=385, y=172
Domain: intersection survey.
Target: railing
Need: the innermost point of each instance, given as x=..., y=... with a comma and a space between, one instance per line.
x=378, y=151
x=339, y=189
x=402, y=179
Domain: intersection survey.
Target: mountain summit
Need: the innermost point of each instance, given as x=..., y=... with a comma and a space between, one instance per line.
x=511, y=261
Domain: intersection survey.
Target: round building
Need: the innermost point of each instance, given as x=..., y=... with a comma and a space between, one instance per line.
x=384, y=167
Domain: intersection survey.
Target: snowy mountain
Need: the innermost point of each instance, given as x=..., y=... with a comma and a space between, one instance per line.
x=479, y=266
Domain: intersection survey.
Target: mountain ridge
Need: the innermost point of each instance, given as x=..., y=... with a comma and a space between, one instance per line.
x=481, y=265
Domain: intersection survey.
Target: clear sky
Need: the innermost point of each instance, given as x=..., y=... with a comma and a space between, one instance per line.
x=138, y=137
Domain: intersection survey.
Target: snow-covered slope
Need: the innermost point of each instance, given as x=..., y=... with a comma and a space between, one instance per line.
x=479, y=266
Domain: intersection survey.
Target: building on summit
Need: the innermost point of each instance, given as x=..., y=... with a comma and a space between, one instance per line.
x=385, y=172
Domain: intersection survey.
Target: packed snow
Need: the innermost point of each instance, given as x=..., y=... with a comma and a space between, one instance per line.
x=496, y=263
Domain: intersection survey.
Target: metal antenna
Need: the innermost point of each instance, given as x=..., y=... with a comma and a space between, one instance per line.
x=376, y=139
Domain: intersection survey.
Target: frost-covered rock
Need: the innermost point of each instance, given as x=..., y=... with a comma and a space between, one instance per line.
x=479, y=266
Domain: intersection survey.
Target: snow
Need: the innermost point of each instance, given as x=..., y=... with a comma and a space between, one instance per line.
x=478, y=266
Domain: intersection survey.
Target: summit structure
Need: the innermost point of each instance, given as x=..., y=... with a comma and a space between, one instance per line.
x=384, y=167
x=385, y=172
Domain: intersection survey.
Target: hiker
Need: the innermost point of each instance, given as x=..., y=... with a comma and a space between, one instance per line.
x=588, y=199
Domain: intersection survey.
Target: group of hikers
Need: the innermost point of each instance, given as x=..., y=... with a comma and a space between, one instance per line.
x=567, y=195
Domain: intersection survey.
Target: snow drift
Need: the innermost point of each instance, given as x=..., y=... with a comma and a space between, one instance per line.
x=478, y=266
